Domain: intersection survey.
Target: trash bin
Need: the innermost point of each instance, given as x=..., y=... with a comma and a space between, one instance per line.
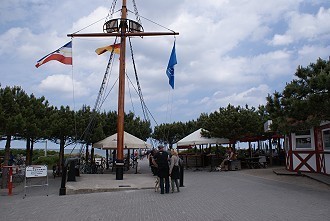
x=72, y=171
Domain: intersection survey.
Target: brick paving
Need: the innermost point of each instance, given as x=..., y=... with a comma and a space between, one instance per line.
x=235, y=195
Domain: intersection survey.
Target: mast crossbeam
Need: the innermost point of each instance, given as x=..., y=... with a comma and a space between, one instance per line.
x=139, y=34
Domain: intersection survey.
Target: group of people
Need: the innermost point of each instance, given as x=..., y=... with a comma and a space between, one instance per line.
x=165, y=166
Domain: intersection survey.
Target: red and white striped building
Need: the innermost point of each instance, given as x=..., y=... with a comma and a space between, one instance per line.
x=309, y=151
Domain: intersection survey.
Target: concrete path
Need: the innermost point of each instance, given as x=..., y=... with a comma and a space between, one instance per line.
x=255, y=195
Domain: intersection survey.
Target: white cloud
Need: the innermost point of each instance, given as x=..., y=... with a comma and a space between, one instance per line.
x=86, y=23
x=250, y=96
x=311, y=27
x=228, y=51
x=63, y=86
x=282, y=40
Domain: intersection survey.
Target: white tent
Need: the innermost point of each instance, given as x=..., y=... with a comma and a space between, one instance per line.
x=196, y=138
x=130, y=142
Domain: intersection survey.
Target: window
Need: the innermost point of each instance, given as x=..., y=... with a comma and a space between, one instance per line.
x=304, y=140
x=326, y=139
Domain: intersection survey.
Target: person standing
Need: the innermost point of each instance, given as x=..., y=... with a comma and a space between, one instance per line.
x=161, y=161
x=151, y=162
x=174, y=170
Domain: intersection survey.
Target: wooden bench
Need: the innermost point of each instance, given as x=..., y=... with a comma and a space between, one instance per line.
x=234, y=165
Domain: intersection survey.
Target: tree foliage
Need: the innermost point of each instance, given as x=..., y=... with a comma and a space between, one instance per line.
x=172, y=133
x=32, y=119
x=305, y=101
x=234, y=123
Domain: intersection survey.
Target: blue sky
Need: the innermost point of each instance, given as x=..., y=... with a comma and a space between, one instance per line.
x=233, y=52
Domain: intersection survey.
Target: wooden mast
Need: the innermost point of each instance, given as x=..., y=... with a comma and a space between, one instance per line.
x=121, y=96
x=123, y=34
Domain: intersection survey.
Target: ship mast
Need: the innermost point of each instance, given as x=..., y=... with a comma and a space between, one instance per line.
x=122, y=28
x=121, y=96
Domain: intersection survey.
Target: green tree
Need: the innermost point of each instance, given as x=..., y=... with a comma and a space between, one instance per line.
x=12, y=122
x=234, y=123
x=110, y=122
x=202, y=120
x=170, y=133
x=62, y=128
x=35, y=112
x=305, y=101
x=137, y=127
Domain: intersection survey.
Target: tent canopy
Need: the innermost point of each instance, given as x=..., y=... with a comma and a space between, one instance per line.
x=130, y=142
x=196, y=138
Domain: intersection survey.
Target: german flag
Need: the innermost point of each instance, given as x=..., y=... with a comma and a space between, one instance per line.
x=115, y=48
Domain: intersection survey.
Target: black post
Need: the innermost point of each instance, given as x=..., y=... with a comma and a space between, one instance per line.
x=212, y=163
x=136, y=166
x=181, y=173
x=107, y=159
x=119, y=169
x=63, y=188
x=114, y=156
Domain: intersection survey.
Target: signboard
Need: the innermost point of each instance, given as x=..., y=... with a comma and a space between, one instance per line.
x=267, y=125
x=36, y=171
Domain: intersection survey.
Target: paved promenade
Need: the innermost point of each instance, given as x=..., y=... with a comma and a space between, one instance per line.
x=235, y=195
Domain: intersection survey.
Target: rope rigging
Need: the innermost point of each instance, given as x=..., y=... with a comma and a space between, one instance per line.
x=111, y=10
x=136, y=13
x=145, y=106
x=145, y=114
x=99, y=101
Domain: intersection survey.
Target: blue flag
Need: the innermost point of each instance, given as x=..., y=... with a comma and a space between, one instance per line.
x=170, y=67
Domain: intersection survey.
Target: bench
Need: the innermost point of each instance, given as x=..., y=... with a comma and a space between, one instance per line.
x=263, y=161
x=234, y=165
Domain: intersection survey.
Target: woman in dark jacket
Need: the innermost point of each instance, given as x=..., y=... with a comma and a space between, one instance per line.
x=161, y=162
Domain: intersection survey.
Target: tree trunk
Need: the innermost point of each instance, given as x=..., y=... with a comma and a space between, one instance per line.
x=279, y=145
x=92, y=156
x=107, y=158
x=61, y=154
x=270, y=152
x=87, y=154
x=5, y=163
x=28, y=149
x=31, y=151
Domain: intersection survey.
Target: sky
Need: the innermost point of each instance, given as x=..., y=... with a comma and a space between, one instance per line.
x=228, y=51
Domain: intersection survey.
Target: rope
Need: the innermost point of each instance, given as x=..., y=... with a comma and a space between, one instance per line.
x=168, y=109
x=137, y=81
x=169, y=106
x=73, y=98
x=136, y=13
x=112, y=9
x=145, y=106
x=73, y=94
x=129, y=91
x=99, y=101
x=90, y=25
x=109, y=15
x=155, y=23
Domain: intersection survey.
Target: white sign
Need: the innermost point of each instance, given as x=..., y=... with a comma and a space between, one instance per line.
x=267, y=125
x=36, y=171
